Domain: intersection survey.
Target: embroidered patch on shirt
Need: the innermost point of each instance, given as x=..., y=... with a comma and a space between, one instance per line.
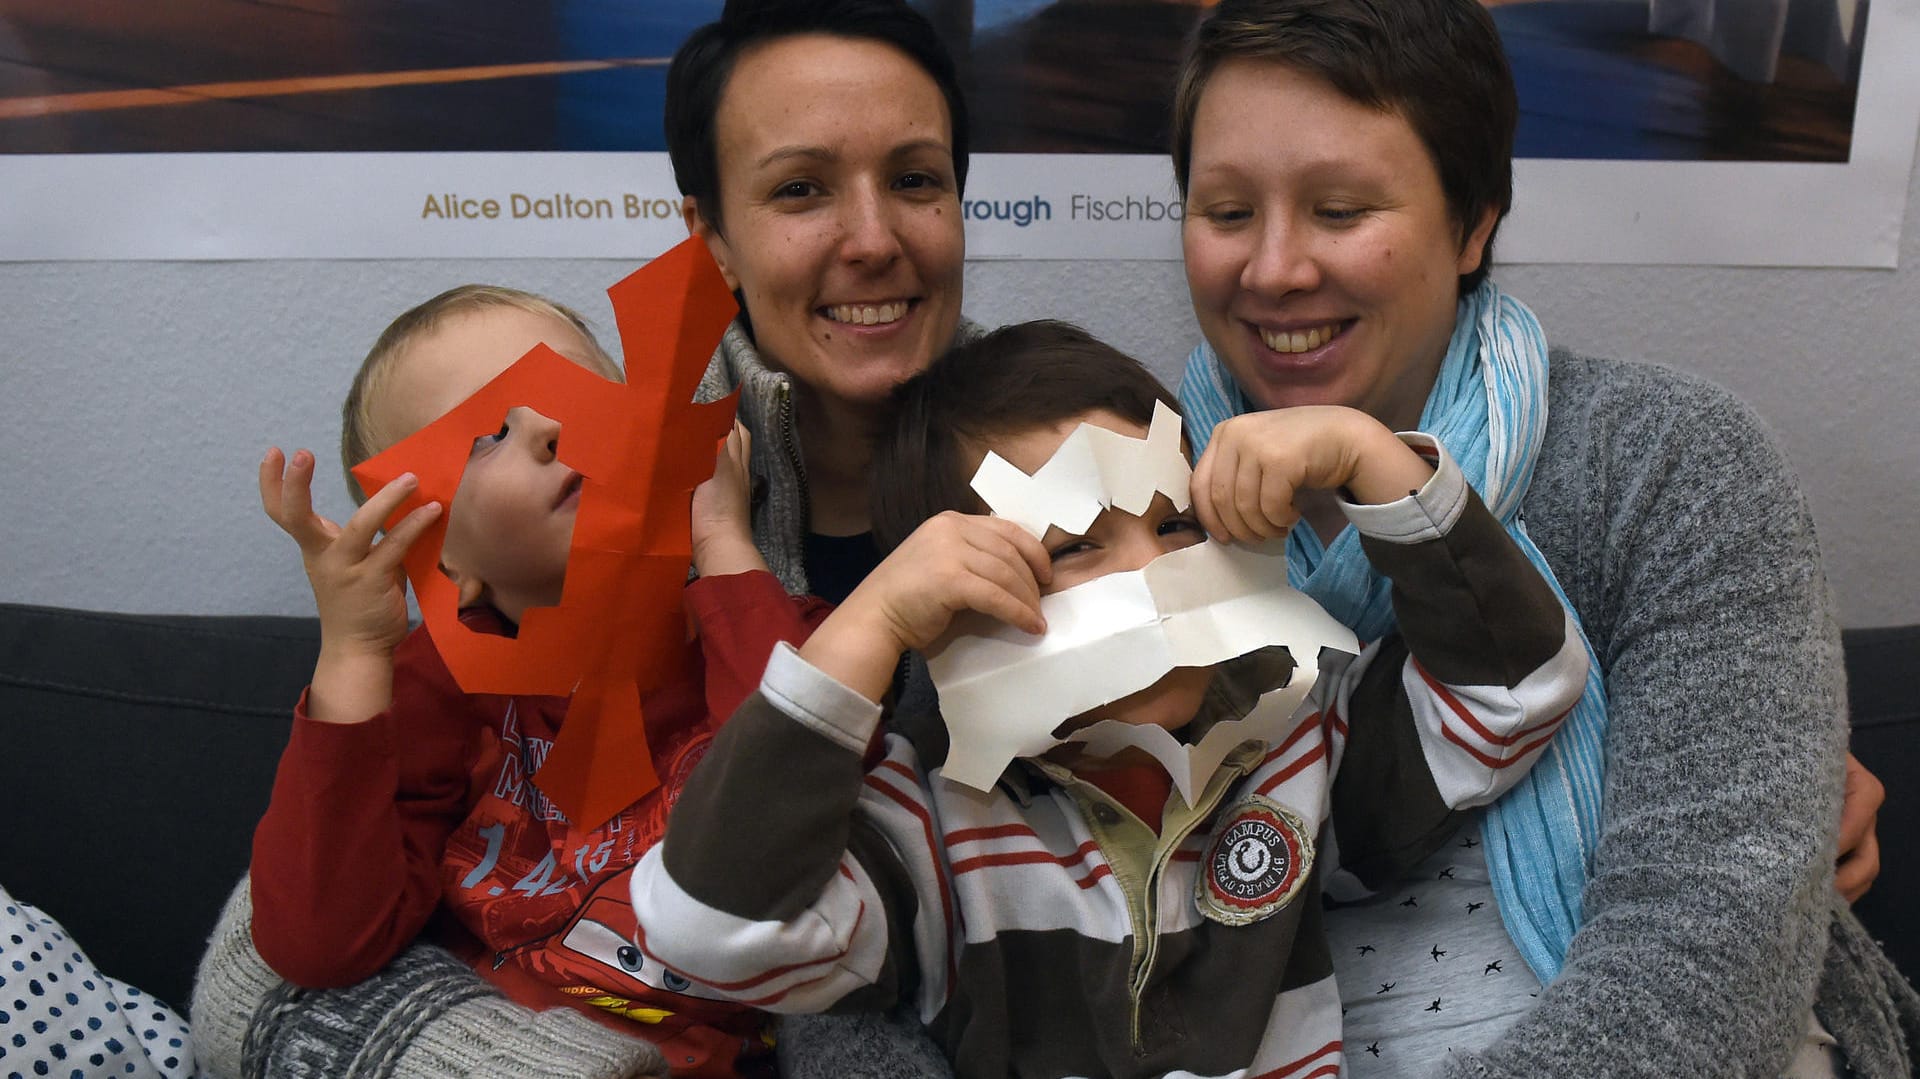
x=1258, y=861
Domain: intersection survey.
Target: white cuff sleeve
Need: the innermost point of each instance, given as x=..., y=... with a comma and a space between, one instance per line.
x=817, y=700
x=1428, y=513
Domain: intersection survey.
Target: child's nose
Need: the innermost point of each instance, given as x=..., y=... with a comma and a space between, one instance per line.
x=542, y=434
x=1140, y=547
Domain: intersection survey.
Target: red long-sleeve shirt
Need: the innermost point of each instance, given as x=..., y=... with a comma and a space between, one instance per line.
x=434, y=805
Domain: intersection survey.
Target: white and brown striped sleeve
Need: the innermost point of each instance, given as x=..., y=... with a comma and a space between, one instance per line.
x=1492, y=661
x=773, y=886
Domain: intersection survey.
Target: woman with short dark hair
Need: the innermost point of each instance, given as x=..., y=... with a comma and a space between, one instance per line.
x=1656, y=897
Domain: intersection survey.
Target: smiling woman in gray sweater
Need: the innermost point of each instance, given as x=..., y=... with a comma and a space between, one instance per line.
x=1663, y=879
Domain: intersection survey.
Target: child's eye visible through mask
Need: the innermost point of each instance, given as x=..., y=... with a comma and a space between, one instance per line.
x=1069, y=549
x=487, y=442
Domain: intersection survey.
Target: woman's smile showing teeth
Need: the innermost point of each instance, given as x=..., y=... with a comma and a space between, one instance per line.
x=867, y=314
x=1299, y=340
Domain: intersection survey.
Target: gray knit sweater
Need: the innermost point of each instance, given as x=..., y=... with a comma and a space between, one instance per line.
x=1681, y=537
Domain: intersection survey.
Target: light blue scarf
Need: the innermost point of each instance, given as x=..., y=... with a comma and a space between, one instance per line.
x=1489, y=408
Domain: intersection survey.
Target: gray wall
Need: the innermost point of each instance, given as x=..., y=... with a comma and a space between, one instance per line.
x=138, y=397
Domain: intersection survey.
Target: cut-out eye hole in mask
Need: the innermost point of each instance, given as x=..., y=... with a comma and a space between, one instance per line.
x=510, y=524
x=640, y=449
x=1003, y=693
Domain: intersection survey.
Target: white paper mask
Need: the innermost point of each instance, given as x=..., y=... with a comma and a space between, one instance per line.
x=1003, y=692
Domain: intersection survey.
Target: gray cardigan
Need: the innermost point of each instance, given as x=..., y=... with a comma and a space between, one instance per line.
x=1680, y=535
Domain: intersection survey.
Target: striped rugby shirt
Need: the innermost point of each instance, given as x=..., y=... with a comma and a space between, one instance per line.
x=1042, y=929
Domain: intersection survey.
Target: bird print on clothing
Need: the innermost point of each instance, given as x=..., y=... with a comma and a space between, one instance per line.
x=1439, y=959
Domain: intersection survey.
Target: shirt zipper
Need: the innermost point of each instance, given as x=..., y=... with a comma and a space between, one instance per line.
x=783, y=394
x=1212, y=796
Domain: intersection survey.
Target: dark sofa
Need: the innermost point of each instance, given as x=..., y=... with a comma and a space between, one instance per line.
x=139, y=750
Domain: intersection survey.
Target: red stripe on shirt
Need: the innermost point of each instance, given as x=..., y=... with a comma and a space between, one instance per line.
x=933, y=848
x=1466, y=715
x=998, y=831
x=1497, y=763
x=1285, y=1070
x=1078, y=859
x=1034, y=857
x=1306, y=760
x=1306, y=727
x=640, y=939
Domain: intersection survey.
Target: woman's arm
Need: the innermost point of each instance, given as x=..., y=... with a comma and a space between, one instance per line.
x=1682, y=537
x=426, y=1015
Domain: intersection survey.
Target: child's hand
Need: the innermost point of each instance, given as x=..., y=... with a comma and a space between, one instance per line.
x=722, y=525
x=1247, y=484
x=954, y=562
x=357, y=582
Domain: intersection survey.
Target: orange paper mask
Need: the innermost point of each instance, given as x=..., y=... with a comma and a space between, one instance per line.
x=641, y=448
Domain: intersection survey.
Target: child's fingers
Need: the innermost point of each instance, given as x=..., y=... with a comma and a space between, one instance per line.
x=1277, y=509
x=366, y=521
x=286, y=493
x=988, y=578
x=387, y=555
x=1009, y=575
x=1222, y=493
x=272, y=467
x=1248, y=484
x=957, y=562
x=992, y=597
x=731, y=455
x=1031, y=553
x=740, y=445
x=1200, y=492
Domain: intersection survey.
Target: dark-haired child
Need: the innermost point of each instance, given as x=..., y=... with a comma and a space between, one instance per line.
x=1083, y=917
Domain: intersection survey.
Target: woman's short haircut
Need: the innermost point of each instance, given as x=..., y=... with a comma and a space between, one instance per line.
x=359, y=439
x=1437, y=63
x=704, y=63
x=1015, y=379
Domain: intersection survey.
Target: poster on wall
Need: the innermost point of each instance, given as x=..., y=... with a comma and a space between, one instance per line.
x=1733, y=132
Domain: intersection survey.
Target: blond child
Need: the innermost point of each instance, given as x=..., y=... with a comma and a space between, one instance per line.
x=402, y=801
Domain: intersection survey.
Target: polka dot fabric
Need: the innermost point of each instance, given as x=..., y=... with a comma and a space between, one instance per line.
x=61, y=1017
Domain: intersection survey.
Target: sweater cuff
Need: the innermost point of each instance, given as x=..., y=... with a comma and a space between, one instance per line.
x=427, y=1015
x=340, y=746
x=489, y=1037
x=1425, y=514
x=818, y=701
x=728, y=592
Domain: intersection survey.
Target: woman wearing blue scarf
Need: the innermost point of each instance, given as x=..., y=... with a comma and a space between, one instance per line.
x=1663, y=878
